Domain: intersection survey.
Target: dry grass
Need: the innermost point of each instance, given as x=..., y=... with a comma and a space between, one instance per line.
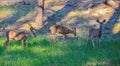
x=116, y=28
x=6, y=12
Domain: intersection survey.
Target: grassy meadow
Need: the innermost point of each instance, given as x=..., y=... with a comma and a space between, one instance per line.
x=43, y=52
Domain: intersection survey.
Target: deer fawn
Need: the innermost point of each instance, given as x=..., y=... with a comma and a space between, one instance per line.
x=61, y=30
x=18, y=36
x=96, y=33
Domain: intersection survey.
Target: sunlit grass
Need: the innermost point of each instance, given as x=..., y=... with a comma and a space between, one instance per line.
x=43, y=52
x=6, y=11
x=75, y=13
x=116, y=28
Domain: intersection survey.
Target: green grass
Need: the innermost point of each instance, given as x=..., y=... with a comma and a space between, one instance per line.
x=42, y=52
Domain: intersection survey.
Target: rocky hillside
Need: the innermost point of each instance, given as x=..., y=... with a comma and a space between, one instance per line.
x=81, y=14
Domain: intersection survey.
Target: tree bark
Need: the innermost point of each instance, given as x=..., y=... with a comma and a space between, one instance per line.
x=40, y=13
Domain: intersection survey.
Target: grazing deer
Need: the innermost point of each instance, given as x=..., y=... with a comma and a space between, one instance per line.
x=95, y=33
x=61, y=30
x=18, y=36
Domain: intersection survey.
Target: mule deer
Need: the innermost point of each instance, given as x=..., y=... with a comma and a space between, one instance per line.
x=96, y=33
x=61, y=30
x=18, y=36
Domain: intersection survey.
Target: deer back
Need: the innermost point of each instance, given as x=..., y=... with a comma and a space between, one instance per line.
x=14, y=35
x=61, y=30
x=11, y=35
x=20, y=36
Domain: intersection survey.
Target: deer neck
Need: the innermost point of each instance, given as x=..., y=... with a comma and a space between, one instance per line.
x=32, y=32
x=100, y=30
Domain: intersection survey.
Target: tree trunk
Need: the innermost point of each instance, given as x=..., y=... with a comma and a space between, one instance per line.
x=40, y=13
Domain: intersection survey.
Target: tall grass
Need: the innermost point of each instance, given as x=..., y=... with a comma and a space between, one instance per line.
x=42, y=52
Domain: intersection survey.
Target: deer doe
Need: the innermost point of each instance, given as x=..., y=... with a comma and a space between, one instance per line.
x=61, y=30
x=96, y=33
x=18, y=36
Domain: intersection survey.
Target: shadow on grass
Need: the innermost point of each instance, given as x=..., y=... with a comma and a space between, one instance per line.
x=68, y=54
x=42, y=52
x=21, y=10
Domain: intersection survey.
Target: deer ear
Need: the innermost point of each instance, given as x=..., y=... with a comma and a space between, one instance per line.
x=106, y=2
x=104, y=20
x=98, y=21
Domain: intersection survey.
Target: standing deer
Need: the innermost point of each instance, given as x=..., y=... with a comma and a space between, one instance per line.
x=61, y=30
x=18, y=36
x=96, y=33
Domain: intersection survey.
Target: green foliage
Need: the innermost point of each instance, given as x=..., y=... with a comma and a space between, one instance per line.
x=42, y=52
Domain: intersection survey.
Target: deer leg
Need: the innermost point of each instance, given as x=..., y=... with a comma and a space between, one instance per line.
x=51, y=36
x=32, y=32
x=22, y=43
x=87, y=40
x=64, y=36
x=6, y=43
x=98, y=41
x=92, y=42
x=26, y=44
